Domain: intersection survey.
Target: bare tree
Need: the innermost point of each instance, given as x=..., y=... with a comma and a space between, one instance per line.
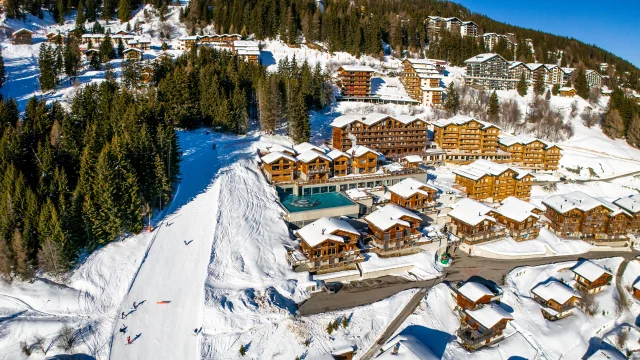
x=25, y=348
x=594, y=96
x=574, y=108
x=590, y=118
x=66, y=339
x=589, y=303
x=39, y=342
x=621, y=338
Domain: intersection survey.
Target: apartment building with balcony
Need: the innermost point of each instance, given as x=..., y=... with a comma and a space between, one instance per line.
x=577, y=214
x=279, y=166
x=517, y=69
x=482, y=326
x=521, y=219
x=484, y=180
x=393, y=136
x=326, y=245
x=363, y=160
x=531, y=153
x=355, y=81
x=341, y=163
x=594, y=79
x=394, y=230
x=414, y=195
x=468, y=28
x=566, y=74
x=489, y=71
x=421, y=80
x=474, y=222
x=631, y=204
x=556, y=299
x=555, y=75
x=465, y=139
x=313, y=165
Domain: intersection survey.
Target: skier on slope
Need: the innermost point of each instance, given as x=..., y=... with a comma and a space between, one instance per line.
x=135, y=306
x=123, y=315
x=128, y=340
x=123, y=329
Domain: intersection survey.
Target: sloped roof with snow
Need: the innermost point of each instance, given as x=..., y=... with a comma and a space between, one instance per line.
x=554, y=290
x=334, y=154
x=409, y=187
x=322, y=230
x=515, y=63
x=508, y=140
x=479, y=168
x=133, y=49
x=471, y=212
x=305, y=146
x=390, y=215
x=607, y=354
x=360, y=150
x=357, y=68
x=21, y=30
x=370, y=119
x=516, y=209
x=276, y=155
x=589, y=270
x=311, y=155
x=419, y=61
x=474, y=291
x=413, y=158
x=567, y=70
x=461, y=120
x=577, y=200
x=408, y=348
x=483, y=57
x=489, y=315
x=566, y=88
x=281, y=148
x=630, y=203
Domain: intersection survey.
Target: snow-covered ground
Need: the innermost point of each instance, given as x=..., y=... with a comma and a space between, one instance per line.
x=529, y=335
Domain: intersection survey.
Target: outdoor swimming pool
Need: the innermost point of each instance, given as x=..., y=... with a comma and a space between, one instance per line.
x=314, y=202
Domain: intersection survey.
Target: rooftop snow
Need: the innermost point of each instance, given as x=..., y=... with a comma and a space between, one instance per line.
x=360, y=150
x=310, y=155
x=515, y=63
x=516, y=209
x=419, y=61
x=390, y=215
x=276, y=155
x=630, y=203
x=534, y=66
x=461, y=120
x=554, y=290
x=589, y=270
x=482, y=57
x=370, y=119
x=357, y=68
x=281, y=148
x=607, y=354
x=305, y=146
x=522, y=139
x=474, y=291
x=577, y=200
x=356, y=194
x=471, y=212
x=489, y=315
x=479, y=168
x=245, y=44
x=334, y=154
x=566, y=88
x=322, y=230
x=409, y=187
x=408, y=348
x=413, y=158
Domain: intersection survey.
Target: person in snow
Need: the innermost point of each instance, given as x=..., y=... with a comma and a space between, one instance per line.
x=128, y=340
x=123, y=329
x=135, y=306
x=123, y=315
x=185, y=242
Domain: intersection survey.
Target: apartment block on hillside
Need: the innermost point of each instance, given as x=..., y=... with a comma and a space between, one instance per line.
x=531, y=153
x=489, y=71
x=421, y=80
x=355, y=81
x=486, y=180
x=594, y=79
x=631, y=204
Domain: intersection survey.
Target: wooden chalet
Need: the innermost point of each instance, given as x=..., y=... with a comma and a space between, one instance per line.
x=283, y=149
x=488, y=181
x=94, y=39
x=89, y=53
x=531, y=153
x=567, y=92
x=355, y=81
x=363, y=160
x=414, y=195
x=520, y=218
x=340, y=161
x=579, y=215
x=591, y=277
x=394, y=230
x=471, y=295
x=326, y=245
x=313, y=165
x=133, y=54
x=556, y=299
x=56, y=37
x=411, y=161
x=465, y=139
x=404, y=347
x=474, y=222
x=483, y=326
x=188, y=42
x=631, y=205
x=279, y=166
x=22, y=37
x=393, y=136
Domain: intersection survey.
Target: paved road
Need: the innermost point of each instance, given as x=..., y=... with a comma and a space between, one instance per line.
x=495, y=270
x=395, y=324
x=360, y=293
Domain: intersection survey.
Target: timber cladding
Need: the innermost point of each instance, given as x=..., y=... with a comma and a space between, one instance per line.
x=316, y=169
x=281, y=170
x=497, y=187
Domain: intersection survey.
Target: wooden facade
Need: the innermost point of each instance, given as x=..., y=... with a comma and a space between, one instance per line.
x=391, y=236
x=567, y=92
x=355, y=81
x=527, y=229
x=282, y=169
x=592, y=286
x=315, y=169
x=331, y=255
x=475, y=335
x=22, y=37
x=421, y=80
x=387, y=135
x=418, y=201
x=553, y=310
x=466, y=139
x=532, y=153
x=496, y=187
x=366, y=163
x=56, y=38
x=485, y=231
x=341, y=165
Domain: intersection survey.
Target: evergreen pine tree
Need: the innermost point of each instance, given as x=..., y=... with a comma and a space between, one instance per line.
x=548, y=95
x=6, y=261
x=72, y=58
x=242, y=350
x=555, y=90
x=91, y=10
x=580, y=83
x=95, y=62
x=108, y=9
x=494, y=105
x=106, y=49
x=539, y=86
x=297, y=115
x=80, y=17
x=633, y=131
x=2, y=73
x=121, y=49
x=47, y=69
x=522, y=85
x=330, y=328
x=613, y=124
x=452, y=102
x=124, y=10
x=20, y=255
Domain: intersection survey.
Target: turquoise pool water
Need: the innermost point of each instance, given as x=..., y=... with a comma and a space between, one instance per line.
x=314, y=202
